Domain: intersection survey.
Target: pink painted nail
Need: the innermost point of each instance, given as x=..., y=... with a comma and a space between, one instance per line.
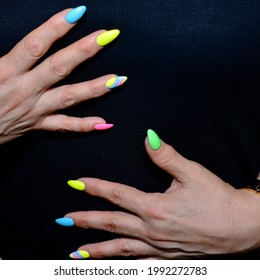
x=103, y=126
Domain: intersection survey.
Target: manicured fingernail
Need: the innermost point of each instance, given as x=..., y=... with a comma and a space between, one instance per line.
x=66, y=222
x=76, y=184
x=107, y=37
x=103, y=126
x=116, y=82
x=78, y=255
x=153, y=140
x=74, y=15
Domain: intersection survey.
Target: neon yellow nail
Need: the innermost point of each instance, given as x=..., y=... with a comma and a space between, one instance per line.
x=107, y=37
x=116, y=82
x=81, y=254
x=78, y=185
x=110, y=82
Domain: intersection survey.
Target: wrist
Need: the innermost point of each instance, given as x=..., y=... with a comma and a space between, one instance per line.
x=250, y=223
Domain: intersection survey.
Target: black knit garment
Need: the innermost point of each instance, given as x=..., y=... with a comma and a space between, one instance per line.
x=193, y=72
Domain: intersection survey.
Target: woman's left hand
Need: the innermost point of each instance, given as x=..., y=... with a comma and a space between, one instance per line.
x=198, y=215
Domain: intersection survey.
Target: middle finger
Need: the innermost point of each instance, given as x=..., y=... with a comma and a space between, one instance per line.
x=59, y=65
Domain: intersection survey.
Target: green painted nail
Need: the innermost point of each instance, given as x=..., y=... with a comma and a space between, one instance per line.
x=153, y=140
x=75, y=184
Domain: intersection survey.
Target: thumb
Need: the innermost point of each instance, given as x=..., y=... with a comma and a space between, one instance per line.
x=167, y=158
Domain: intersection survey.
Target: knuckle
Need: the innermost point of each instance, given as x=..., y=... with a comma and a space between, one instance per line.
x=7, y=70
x=97, y=190
x=156, y=213
x=86, y=48
x=99, y=252
x=168, y=158
x=64, y=126
x=55, y=26
x=112, y=225
x=95, y=89
x=68, y=98
x=83, y=223
x=154, y=236
x=59, y=68
x=124, y=249
x=33, y=47
x=117, y=196
x=85, y=126
x=153, y=213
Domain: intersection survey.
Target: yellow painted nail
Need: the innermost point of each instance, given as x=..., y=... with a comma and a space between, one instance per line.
x=107, y=37
x=81, y=254
x=116, y=81
x=78, y=185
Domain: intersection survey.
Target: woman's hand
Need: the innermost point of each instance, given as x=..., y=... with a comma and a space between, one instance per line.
x=27, y=100
x=198, y=215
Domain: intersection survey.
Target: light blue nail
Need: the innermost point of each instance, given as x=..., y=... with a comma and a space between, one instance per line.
x=75, y=14
x=66, y=222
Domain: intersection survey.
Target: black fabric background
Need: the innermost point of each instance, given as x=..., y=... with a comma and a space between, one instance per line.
x=193, y=69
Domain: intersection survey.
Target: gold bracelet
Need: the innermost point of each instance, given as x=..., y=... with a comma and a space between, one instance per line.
x=254, y=188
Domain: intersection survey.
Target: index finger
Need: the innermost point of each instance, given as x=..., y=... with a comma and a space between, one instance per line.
x=34, y=45
x=128, y=198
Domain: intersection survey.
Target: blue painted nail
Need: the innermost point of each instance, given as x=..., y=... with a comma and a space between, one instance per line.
x=75, y=14
x=66, y=222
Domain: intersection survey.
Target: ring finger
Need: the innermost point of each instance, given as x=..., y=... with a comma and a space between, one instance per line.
x=69, y=95
x=116, y=222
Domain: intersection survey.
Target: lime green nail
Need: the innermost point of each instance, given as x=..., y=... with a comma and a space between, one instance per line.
x=107, y=37
x=78, y=185
x=153, y=140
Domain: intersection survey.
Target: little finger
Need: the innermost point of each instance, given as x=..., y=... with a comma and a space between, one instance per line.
x=63, y=123
x=117, y=247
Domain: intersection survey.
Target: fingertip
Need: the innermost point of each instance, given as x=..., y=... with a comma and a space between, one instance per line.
x=148, y=147
x=75, y=14
x=79, y=254
x=116, y=81
x=65, y=221
x=107, y=37
x=154, y=141
x=103, y=126
x=92, y=122
x=76, y=184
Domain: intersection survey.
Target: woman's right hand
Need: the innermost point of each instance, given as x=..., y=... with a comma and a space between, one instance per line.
x=27, y=100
